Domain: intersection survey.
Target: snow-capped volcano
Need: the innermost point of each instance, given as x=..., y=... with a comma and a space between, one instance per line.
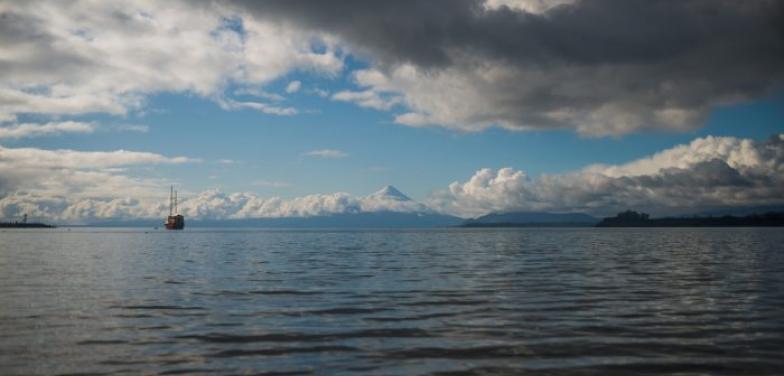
x=389, y=198
x=390, y=192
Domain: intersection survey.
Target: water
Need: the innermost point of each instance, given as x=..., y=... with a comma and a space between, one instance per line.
x=461, y=302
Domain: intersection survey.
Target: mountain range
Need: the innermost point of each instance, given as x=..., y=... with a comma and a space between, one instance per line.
x=531, y=219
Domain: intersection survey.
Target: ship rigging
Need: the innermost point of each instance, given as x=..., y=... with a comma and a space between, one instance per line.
x=175, y=220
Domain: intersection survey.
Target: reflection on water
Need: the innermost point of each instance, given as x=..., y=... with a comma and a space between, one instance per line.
x=481, y=301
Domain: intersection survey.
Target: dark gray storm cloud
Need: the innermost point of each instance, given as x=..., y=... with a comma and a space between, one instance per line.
x=601, y=66
x=586, y=32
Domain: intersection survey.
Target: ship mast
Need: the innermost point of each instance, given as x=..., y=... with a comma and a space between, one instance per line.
x=171, y=198
x=176, y=211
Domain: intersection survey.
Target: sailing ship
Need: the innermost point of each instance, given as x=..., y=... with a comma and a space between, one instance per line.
x=175, y=220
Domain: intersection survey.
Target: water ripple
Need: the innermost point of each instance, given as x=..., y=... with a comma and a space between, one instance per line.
x=434, y=302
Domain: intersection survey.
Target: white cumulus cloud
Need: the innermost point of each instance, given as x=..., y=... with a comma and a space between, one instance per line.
x=210, y=204
x=85, y=56
x=26, y=130
x=32, y=174
x=709, y=172
x=214, y=204
x=293, y=87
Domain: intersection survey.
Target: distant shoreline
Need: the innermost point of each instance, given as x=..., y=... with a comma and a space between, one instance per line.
x=512, y=224
x=624, y=219
x=526, y=225
x=633, y=219
x=24, y=225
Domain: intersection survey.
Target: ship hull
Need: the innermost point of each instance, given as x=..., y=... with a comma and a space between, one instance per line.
x=175, y=222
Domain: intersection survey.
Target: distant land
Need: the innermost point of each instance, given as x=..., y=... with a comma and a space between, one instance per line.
x=752, y=216
x=24, y=225
x=631, y=218
x=532, y=219
x=738, y=211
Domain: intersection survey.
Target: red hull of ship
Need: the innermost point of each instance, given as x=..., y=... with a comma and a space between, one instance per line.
x=175, y=222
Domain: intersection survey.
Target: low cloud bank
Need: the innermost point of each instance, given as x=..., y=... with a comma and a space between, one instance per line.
x=210, y=204
x=708, y=173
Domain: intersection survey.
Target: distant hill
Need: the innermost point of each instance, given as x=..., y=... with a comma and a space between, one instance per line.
x=531, y=219
x=739, y=211
x=24, y=225
x=631, y=218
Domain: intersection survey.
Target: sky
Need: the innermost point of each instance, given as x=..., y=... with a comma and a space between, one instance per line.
x=301, y=108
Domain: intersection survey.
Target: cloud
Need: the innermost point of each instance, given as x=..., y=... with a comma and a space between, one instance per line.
x=709, y=172
x=256, y=92
x=49, y=208
x=214, y=204
x=54, y=128
x=326, y=153
x=293, y=87
x=596, y=66
x=368, y=98
x=210, y=204
x=37, y=175
x=601, y=67
x=64, y=158
x=26, y=130
x=230, y=104
x=86, y=57
x=530, y=6
x=217, y=205
x=318, y=92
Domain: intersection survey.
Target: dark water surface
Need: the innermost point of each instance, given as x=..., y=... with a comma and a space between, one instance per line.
x=461, y=302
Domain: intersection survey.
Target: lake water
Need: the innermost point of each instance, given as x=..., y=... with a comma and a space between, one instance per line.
x=454, y=302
